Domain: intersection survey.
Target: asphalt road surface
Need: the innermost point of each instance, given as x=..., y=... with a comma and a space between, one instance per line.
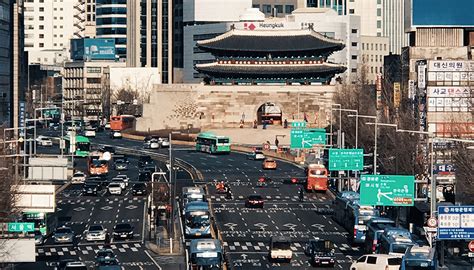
x=245, y=232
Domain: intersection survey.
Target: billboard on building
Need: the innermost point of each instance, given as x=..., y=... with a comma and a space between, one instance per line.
x=93, y=49
x=36, y=198
x=442, y=13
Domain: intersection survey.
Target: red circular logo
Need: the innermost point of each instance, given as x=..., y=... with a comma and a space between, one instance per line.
x=471, y=246
x=266, y=146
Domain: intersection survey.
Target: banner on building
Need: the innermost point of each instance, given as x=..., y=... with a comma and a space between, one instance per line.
x=378, y=85
x=463, y=130
x=397, y=95
x=411, y=89
x=422, y=77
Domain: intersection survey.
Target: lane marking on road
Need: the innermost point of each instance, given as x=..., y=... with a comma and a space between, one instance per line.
x=153, y=260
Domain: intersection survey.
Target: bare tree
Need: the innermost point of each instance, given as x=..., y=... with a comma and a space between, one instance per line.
x=7, y=183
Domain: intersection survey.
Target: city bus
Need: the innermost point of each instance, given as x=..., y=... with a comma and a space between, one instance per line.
x=206, y=254
x=211, y=143
x=197, y=220
x=97, y=164
x=395, y=241
x=122, y=122
x=419, y=258
x=82, y=145
x=317, y=178
x=375, y=228
x=353, y=217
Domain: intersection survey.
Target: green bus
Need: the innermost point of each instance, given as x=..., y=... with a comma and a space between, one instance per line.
x=211, y=143
x=83, y=145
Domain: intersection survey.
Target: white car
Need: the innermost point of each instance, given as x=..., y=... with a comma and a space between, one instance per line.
x=152, y=144
x=44, y=141
x=376, y=262
x=256, y=155
x=115, y=188
x=164, y=142
x=119, y=181
x=107, y=126
x=78, y=178
x=89, y=133
x=124, y=177
x=96, y=233
x=116, y=135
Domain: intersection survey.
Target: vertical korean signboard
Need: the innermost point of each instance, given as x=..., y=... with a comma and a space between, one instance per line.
x=421, y=76
x=397, y=95
x=379, y=91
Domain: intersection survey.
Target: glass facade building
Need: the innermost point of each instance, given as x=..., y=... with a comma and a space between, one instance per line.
x=111, y=22
x=5, y=59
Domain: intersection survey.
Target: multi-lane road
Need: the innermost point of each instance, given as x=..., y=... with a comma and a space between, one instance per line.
x=245, y=232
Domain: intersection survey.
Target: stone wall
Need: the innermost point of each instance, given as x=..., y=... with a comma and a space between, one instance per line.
x=180, y=106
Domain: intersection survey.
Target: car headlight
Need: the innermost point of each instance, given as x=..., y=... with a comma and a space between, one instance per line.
x=115, y=233
x=130, y=232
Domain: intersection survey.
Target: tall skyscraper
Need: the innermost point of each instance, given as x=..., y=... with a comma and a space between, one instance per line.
x=48, y=27
x=111, y=22
x=393, y=12
x=6, y=72
x=150, y=36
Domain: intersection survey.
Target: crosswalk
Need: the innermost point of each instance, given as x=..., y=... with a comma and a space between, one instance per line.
x=222, y=197
x=263, y=247
x=86, y=249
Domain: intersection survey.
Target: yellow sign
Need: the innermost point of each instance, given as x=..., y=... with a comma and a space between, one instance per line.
x=397, y=95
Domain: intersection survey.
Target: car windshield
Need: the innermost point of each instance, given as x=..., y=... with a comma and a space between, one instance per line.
x=197, y=221
x=123, y=227
x=78, y=174
x=105, y=253
x=63, y=230
x=83, y=146
x=119, y=161
x=258, y=153
x=270, y=161
x=75, y=268
x=139, y=186
x=281, y=245
x=95, y=228
x=399, y=248
x=255, y=197
x=113, y=185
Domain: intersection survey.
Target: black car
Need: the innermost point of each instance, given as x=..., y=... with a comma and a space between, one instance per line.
x=109, y=149
x=144, y=176
x=322, y=252
x=123, y=231
x=91, y=188
x=120, y=165
x=144, y=160
x=139, y=189
x=254, y=201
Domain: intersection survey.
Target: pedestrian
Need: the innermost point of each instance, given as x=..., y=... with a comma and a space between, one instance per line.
x=241, y=123
x=285, y=124
x=301, y=194
x=107, y=240
x=264, y=124
x=255, y=124
x=277, y=142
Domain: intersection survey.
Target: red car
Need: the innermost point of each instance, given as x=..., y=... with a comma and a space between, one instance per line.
x=254, y=201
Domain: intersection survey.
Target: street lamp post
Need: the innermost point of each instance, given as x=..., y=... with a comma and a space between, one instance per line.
x=357, y=116
x=330, y=124
x=172, y=185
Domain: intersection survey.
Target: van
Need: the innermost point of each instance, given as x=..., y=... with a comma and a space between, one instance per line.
x=280, y=249
x=375, y=228
x=377, y=262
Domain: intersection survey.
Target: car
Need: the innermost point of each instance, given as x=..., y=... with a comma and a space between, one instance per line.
x=263, y=181
x=39, y=237
x=144, y=175
x=123, y=231
x=152, y=144
x=254, y=200
x=107, y=148
x=89, y=132
x=121, y=181
x=280, y=249
x=144, y=160
x=91, y=188
x=75, y=266
x=78, y=178
x=105, y=255
x=95, y=233
x=376, y=262
x=115, y=134
x=44, y=141
x=321, y=252
x=124, y=177
x=120, y=165
x=256, y=155
x=147, y=138
x=110, y=264
x=115, y=188
x=63, y=235
x=164, y=142
x=139, y=189
x=107, y=126
x=269, y=164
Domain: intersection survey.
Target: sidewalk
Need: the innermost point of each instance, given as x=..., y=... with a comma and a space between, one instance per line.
x=251, y=136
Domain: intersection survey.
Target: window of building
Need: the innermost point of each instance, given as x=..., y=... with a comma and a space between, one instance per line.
x=379, y=24
x=41, y=27
x=354, y=31
x=41, y=18
x=55, y=9
x=93, y=80
x=372, y=46
x=61, y=26
x=41, y=45
x=363, y=46
x=376, y=70
x=376, y=46
x=379, y=34
x=279, y=9
x=41, y=1
x=379, y=2
x=41, y=9
x=351, y=11
x=289, y=9
x=379, y=12
x=354, y=57
x=354, y=44
x=254, y=6
x=381, y=69
x=371, y=69
x=354, y=70
x=55, y=18
x=55, y=44
x=385, y=47
x=55, y=35
x=94, y=69
x=61, y=44
x=41, y=35
x=55, y=26
x=267, y=9
x=61, y=18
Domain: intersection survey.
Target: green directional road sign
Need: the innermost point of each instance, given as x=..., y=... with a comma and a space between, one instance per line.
x=387, y=190
x=298, y=124
x=346, y=159
x=307, y=138
x=21, y=227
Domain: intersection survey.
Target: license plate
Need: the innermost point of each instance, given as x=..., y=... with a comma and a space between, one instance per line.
x=471, y=254
x=198, y=234
x=324, y=262
x=123, y=236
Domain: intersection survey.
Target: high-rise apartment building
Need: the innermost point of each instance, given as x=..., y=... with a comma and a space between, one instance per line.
x=111, y=22
x=150, y=36
x=48, y=27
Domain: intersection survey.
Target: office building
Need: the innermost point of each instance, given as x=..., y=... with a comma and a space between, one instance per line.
x=48, y=27
x=111, y=22
x=278, y=8
x=373, y=50
x=393, y=16
x=150, y=36
x=84, y=18
x=6, y=72
x=340, y=6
